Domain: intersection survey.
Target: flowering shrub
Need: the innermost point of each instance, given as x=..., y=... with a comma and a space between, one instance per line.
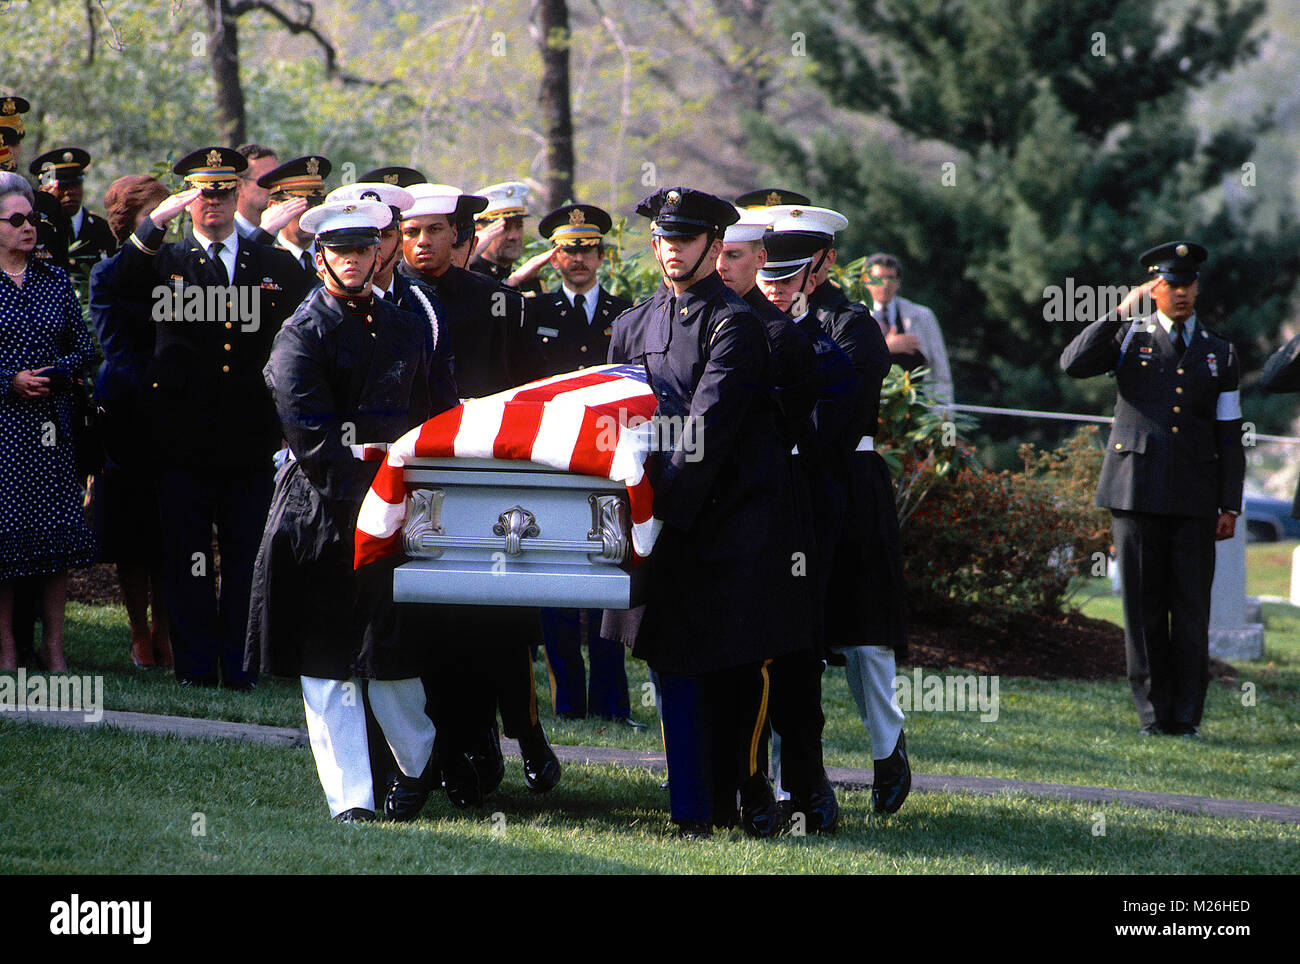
x=988, y=547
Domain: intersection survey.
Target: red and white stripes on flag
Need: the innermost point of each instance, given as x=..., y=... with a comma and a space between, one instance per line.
x=577, y=422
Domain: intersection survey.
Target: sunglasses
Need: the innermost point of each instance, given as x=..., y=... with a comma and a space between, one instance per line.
x=18, y=220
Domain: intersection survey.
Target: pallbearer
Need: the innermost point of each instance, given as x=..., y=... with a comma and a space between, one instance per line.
x=347, y=369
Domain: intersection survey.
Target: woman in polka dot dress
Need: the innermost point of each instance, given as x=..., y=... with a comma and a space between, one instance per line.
x=44, y=345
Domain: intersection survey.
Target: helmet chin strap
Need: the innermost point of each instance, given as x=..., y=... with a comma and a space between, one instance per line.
x=711, y=237
x=358, y=291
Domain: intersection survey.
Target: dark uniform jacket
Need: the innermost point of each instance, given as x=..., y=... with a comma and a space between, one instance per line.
x=125, y=329
x=722, y=589
x=865, y=602
x=1168, y=453
x=485, y=319
x=93, y=242
x=442, y=379
x=341, y=372
x=557, y=337
x=203, y=386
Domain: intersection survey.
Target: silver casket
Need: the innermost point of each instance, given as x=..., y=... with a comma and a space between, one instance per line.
x=512, y=533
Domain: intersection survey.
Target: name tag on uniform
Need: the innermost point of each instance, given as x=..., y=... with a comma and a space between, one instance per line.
x=549, y=332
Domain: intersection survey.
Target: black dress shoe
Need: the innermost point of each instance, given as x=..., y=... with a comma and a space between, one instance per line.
x=541, y=767
x=1151, y=729
x=356, y=815
x=1188, y=730
x=891, y=779
x=406, y=797
x=489, y=764
x=460, y=781
x=820, y=808
x=693, y=830
x=759, y=814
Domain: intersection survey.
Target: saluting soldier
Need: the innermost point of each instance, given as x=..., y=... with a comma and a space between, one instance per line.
x=295, y=187
x=866, y=613
x=214, y=427
x=1172, y=478
x=347, y=365
x=724, y=595
x=500, y=235
x=61, y=173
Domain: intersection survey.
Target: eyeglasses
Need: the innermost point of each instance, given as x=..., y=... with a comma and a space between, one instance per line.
x=17, y=220
x=871, y=281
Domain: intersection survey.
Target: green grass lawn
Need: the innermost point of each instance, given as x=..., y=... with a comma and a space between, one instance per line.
x=128, y=804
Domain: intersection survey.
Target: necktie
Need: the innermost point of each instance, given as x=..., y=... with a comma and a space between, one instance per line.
x=390, y=295
x=580, y=303
x=307, y=262
x=1179, y=339
x=214, y=250
x=896, y=322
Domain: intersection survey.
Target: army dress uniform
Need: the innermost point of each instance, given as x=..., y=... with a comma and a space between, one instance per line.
x=722, y=597
x=1174, y=461
x=90, y=238
x=214, y=427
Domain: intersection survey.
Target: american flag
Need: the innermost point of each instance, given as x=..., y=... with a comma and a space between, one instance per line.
x=577, y=422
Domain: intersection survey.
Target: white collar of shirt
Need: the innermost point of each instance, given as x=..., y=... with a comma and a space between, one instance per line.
x=382, y=292
x=1167, y=324
x=243, y=226
x=292, y=248
x=589, y=299
x=230, y=243
x=78, y=220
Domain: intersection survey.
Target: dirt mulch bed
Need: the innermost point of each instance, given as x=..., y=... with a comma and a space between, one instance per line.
x=1071, y=646
x=94, y=585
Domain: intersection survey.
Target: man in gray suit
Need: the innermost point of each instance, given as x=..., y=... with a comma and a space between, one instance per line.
x=911, y=330
x=1172, y=478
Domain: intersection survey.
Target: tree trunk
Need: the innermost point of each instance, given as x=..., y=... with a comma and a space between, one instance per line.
x=223, y=50
x=557, y=118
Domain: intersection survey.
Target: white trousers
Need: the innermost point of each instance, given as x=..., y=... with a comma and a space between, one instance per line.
x=336, y=725
x=870, y=672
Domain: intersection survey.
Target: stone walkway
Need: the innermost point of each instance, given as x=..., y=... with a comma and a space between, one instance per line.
x=192, y=728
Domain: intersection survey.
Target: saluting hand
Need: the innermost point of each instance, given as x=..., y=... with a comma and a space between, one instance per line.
x=1142, y=291
x=531, y=268
x=277, y=216
x=171, y=207
x=490, y=233
x=1226, y=527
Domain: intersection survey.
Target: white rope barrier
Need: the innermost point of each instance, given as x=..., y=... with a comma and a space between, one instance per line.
x=1071, y=417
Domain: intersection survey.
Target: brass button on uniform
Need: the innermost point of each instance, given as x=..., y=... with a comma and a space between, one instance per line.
x=1179, y=389
x=583, y=348
x=225, y=368
x=1175, y=429
x=229, y=325
x=1180, y=371
x=226, y=347
x=1177, y=409
x=1118, y=445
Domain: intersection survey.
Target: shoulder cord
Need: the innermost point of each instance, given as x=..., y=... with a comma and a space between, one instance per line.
x=428, y=310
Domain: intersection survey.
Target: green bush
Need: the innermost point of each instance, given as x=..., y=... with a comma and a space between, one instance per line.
x=987, y=548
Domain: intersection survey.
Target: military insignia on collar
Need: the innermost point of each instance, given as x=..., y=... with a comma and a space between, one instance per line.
x=577, y=217
x=214, y=158
x=773, y=199
x=390, y=178
x=313, y=166
x=9, y=107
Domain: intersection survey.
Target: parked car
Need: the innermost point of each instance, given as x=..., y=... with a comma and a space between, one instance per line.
x=1270, y=520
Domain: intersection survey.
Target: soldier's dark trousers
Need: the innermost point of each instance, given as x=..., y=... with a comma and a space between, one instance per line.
x=565, y=632
x=713, y=727
x=796, y=713
x=1167, y=568
x=207, y=634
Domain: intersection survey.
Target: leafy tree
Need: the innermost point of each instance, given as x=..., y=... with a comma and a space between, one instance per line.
x=1043, y=143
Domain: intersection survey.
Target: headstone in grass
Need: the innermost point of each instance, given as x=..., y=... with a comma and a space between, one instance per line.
x=1232, y=637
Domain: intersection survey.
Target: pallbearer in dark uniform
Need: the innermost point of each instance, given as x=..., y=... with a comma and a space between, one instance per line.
x=1172, y=478
x=61, y=173
x=568, y=330
x=469, y=680
x=296, y=186
x=724, y=593
x=347, y=369
x=214, y=426
x=821, y=455
x=501, y=234
x=866, y=615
